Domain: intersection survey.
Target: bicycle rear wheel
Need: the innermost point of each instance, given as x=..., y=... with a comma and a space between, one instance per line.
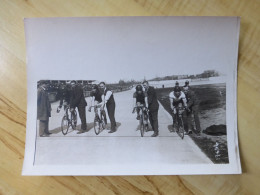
x=96, y=125
x=64, y=125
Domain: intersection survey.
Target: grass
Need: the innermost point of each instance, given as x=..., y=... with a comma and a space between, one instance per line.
x=212, y=97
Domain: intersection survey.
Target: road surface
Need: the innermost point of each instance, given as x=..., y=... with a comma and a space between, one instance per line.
x=127, y=138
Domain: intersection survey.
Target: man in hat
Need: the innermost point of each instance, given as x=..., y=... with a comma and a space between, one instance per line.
x=109, y=101
x=77, y=99
x=153, y=107
x=43, y=108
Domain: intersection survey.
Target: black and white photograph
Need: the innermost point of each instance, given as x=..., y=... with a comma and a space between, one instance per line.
x=131, y=96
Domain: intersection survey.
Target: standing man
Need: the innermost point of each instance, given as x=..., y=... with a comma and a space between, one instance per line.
x=153, y=107
x=77, y=99
x=109, y=101
x=43, y=108
x=187, y=84
x=193, y=106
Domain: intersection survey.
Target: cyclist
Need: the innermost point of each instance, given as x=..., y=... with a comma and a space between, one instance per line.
x=139, y=99
x=64, y=94
x=96, y=99
x=177, y=97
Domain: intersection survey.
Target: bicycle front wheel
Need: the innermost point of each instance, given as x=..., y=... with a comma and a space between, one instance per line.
x=142, y=127
x=181, y=128
x=64, y=125
x=96, y=126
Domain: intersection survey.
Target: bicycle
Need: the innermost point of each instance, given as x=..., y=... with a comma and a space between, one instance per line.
x=179, y=120
x=143, y=122
x=99, y=120
x=68, y=120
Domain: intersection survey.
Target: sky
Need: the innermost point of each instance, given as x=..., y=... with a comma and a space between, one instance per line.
x=114, y=48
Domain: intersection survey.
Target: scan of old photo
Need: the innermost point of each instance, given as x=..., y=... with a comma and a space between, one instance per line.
x=132, y=96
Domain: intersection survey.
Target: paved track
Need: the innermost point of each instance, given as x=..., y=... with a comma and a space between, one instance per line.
x=182, y=151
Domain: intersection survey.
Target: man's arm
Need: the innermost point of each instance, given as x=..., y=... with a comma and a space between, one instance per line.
x=146, y=99
x=171, y=101
x=109, y=93
x=91, y=102
x=191, y=100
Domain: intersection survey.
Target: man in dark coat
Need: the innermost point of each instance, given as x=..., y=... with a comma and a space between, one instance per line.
x=193, y=106
x=43, y=108
x=77, y=99
x=153, y=107
x=109, y=101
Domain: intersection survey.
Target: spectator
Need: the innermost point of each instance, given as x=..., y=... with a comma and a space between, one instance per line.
x=43, y=108
x=187, y=84
x=193, y=106
x=109, y=101
x=77, y=99
x=153, y=107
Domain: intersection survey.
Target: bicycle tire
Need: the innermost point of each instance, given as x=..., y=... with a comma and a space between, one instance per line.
x=64, y=125
x=74, y=120
x=181, y=128
x=103, y=124
x=96, y=126
x=142, y=127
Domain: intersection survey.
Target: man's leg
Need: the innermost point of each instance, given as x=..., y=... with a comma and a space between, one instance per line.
x=151, y=120
x=155, y=121
x=196, y=117
x=44, y=127
x=41, y=127
x=82, y=115
x=111, y=115
x=153, y=117
x=187, y=121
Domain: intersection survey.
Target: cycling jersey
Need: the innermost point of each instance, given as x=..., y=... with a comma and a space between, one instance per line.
x=140, y=97
x=177, y=100
x=97, y=96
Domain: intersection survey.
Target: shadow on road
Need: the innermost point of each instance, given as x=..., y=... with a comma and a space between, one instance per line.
x=89, y=127
x=108, y=127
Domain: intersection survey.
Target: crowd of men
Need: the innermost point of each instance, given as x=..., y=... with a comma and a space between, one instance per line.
x=71, y=95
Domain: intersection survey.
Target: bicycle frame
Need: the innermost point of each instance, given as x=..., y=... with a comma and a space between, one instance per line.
x=99, y=120
x=142, y=120
x=68, y=120
x=179, y=120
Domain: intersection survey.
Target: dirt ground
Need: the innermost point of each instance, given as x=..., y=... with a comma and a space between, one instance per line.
x=212, y=112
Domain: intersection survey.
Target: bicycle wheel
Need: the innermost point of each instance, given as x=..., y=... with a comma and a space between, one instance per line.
x=142, y=127
x=96, y=125
x=103, y=124
x=64, y=125
x=181, y=128
x=74, y=119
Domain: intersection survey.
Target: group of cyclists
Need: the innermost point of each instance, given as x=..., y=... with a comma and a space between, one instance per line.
x=183, y=96
x=180, y=96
